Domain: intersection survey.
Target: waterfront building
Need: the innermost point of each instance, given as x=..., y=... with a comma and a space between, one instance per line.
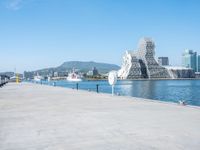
x=62, y=74
x=93, y=72
x=28, y=75
x=189, y=59
x=142, y=64
x=55, y=74
x=198, y=63
x=163, y=61
x=180, y=72
x=197, y=75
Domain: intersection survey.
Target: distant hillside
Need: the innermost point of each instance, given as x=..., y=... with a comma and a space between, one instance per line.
x=9, y=74
x=86, y=66
x=81, y=66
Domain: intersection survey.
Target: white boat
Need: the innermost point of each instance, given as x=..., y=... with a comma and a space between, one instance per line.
x=74, y=77
x=49, y=79
x=38, y=78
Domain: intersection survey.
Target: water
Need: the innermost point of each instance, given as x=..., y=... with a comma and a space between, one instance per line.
x=163, y=90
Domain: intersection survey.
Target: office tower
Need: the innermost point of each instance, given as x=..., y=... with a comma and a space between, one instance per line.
x=198, y=63
x=189, y=59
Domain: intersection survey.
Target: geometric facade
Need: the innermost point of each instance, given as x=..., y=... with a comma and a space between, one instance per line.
x=141, y=63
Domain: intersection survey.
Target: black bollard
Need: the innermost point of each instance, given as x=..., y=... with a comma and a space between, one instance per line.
x=97, y=88
x=77, y=86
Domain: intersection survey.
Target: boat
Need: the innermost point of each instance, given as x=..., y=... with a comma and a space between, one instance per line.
x=48, y=79
x=74, y=77
x=38, y=78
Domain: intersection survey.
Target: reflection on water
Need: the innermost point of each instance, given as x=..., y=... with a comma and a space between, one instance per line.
x=145, y=89
x=165, y=90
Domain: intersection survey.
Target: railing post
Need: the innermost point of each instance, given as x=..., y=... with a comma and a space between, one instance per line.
x=97, y=88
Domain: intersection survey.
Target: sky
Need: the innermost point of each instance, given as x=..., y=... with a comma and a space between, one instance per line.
x=36, y=34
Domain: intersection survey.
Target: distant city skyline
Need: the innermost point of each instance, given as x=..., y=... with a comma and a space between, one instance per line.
x=38, y=34
x=190, y=59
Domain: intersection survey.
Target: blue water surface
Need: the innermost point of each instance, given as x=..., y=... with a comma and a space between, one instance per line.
x=163, y=90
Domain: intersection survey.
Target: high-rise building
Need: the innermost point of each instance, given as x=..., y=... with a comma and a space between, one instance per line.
x=189, y=59
x=198, y=63
x=163, y=61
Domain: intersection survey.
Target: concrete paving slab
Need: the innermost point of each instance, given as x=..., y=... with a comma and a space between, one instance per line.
x=40, y=117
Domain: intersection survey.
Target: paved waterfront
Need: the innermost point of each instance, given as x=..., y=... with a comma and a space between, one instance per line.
x=39, y=117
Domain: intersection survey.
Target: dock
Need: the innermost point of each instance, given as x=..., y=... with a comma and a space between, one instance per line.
x=42, y=117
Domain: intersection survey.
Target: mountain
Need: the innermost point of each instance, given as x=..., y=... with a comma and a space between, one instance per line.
x=81, y=66
x=86, y=66
x=9, y=74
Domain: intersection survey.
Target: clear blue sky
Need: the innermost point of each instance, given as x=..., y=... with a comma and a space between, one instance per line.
x=44, y=33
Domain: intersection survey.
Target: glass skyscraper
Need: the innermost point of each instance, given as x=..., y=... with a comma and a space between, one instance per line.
x=189, y=59
x=198, y=63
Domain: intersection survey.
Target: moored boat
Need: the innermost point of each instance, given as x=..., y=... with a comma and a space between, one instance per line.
x=74, y=77
x=38, y=78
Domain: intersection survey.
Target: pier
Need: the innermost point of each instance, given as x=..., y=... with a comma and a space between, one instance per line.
x=42, y=117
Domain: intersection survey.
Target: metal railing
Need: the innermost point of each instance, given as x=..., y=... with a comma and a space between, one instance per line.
x=2, y=83
x=95, y=87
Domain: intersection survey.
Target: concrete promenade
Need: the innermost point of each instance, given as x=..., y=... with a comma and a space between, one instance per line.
x=40, y=117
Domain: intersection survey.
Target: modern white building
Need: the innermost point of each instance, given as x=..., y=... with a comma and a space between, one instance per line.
x=142, y=64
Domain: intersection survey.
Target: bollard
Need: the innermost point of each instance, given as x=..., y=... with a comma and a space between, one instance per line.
x=77, y=86
x=97, y=88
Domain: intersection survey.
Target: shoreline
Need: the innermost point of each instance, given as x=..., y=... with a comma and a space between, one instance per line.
x=152, y=79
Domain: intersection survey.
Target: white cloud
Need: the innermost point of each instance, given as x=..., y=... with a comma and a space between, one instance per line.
x=14, y=4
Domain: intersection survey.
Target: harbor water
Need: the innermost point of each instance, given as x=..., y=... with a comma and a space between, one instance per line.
x=163, y=90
